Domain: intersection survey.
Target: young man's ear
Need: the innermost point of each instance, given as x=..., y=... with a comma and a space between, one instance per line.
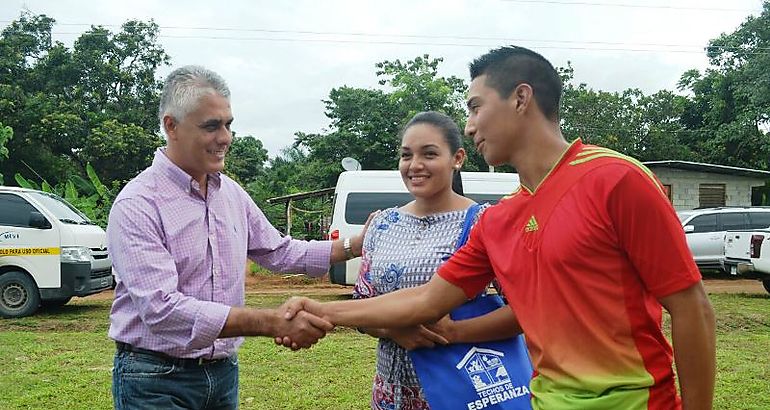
x=521, y=97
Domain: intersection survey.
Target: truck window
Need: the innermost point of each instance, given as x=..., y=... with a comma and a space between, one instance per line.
x=759, y=220
x=733, y=221
x=360, y=204
x=704, y=223
x=15, y=211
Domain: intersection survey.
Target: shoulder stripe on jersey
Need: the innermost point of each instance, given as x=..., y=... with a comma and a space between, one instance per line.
x=512, y=194
x=592, y=153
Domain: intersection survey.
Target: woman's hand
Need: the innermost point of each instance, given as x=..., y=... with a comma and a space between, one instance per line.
x=415, y=337
x=446, y=327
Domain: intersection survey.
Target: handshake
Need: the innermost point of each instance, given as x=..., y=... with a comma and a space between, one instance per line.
x=302, y=322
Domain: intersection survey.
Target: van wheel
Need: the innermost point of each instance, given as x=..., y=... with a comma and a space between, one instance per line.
x=19, y=295
x=55, y=302
x=766, y=284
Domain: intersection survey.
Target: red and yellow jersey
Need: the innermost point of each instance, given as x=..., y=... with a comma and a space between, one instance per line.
x=582, y=262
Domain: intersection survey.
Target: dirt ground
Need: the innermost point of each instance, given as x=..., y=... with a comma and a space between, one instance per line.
x=301, y=285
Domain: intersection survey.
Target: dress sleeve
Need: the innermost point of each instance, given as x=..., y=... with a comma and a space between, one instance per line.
x=363, y=287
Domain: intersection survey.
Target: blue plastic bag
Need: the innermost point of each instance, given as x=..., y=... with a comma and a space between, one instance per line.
x=474, y=376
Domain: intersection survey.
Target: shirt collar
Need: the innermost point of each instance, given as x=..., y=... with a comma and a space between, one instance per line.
x=178, y=176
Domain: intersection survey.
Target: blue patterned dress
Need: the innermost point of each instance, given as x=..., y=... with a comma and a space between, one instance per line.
x=402, y=250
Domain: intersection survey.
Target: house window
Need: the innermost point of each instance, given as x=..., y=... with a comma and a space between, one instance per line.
x=669, y=193
x=711, y=195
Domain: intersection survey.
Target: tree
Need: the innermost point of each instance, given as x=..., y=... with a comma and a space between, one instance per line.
x=728, y=113
x=6, y=133
x=643, y=126
x=64, y=104
x=246, y=159
x=365, y=123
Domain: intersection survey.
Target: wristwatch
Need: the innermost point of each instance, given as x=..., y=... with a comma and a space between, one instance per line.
x=348, y=249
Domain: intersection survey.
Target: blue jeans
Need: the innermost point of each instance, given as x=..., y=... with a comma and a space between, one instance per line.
x=143, y=381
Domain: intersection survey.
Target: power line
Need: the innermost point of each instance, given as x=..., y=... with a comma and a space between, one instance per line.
x=628, y=5
x=588, y=47
x=391, y=35
x=365, y=34
x=452, y=40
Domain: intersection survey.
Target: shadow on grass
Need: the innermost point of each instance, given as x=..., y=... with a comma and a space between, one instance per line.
x=755, y=296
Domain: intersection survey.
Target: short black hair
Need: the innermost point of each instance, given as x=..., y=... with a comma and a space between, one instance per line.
x=507, y=67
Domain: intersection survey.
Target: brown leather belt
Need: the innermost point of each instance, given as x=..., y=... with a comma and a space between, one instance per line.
x=177, y=361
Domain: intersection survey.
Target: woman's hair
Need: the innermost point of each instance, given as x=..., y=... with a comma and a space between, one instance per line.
x=449, y=130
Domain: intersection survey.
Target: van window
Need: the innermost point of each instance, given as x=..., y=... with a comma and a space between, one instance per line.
x=759, y=220
x=15, y=210
x=734, y=221
x=704, y=223
x=360, y=204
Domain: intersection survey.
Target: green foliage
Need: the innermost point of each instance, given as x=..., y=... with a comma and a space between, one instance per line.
x=643, y=126
x=93, y=198
x=246, y=159
x=365, y=123
x=6, y=133
x=729, y=111
x=94, y=103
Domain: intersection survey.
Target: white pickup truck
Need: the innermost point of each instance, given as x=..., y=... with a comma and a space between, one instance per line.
x=747, y=253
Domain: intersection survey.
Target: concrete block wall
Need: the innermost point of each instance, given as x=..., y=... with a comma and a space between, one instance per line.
x=685, y=186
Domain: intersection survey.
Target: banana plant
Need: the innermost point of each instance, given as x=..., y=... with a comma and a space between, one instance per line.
x=90, y=196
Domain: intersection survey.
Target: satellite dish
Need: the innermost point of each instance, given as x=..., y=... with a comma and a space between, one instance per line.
x=350, y=164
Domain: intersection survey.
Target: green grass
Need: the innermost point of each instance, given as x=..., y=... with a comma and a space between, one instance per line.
x=61, y=358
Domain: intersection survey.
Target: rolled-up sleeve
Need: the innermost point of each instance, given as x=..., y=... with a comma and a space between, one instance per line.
x=273, y=251
x=148, y=273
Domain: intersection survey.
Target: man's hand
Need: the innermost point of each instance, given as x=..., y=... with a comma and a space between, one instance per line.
x=300, y=330
x=415, y=337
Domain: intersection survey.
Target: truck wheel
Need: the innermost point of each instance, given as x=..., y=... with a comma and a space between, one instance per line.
x=18, y=295
x=55, y=302
x=766, y=284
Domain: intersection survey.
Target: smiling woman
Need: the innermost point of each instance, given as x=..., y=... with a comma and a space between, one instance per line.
x=407, y=244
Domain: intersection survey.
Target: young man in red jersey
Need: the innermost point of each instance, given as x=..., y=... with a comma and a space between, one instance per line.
x=588, y=251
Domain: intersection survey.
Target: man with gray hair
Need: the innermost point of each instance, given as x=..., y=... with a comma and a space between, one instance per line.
x=179, y=234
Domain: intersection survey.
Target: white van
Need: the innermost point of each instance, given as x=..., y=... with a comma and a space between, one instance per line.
x=49, y=252
x=359, y=193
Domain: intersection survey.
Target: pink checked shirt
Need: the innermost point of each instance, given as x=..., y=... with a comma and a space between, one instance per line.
x=180, y=259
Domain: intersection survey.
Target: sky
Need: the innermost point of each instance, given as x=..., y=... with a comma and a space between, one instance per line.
x=282, y=58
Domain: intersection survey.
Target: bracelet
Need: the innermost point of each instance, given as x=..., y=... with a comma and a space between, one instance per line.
x=348, y=249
